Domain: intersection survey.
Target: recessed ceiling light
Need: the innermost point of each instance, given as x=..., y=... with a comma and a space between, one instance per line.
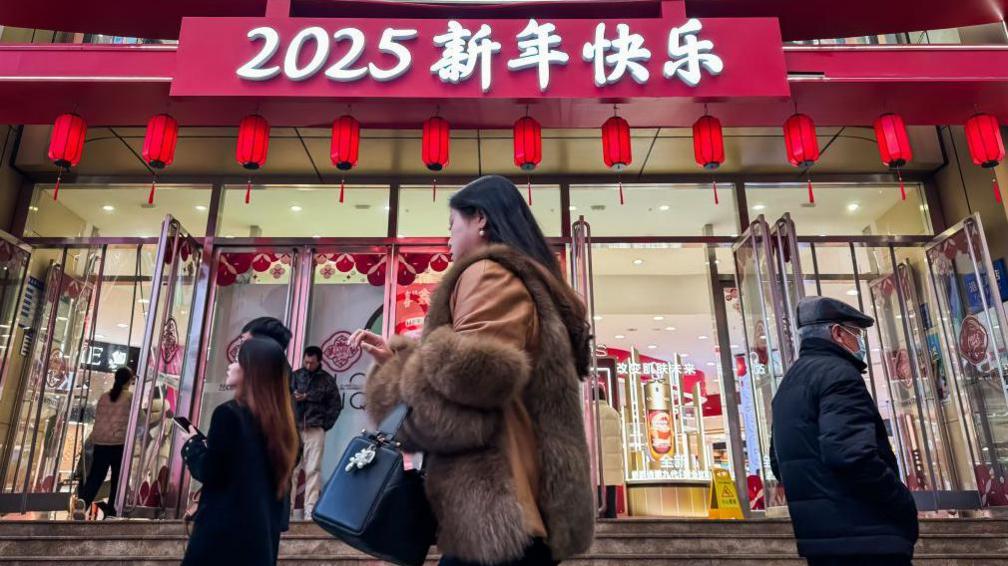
x=658, y=317
x=122, y=325
x=597, y=317
x=670, y=328
x=315, y=236
x=651, y=347
x=296, y=208
x=852, y=292
x=853, y=206
x=758, y=207
x=33, y=208
x=108, y=208
x=201, y=208
x=572, y=208
x=711, y=364
x=663, y=207
x=638, y=261
x=143, y=301
x=701, y=337
x=620, y=336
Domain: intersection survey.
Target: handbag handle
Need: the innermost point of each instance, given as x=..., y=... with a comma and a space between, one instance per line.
x=390, y=425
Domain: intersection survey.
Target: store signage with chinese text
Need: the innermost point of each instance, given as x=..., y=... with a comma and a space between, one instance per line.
x=513, y=58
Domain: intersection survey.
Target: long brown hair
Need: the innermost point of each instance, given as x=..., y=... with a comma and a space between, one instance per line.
x=265, y=390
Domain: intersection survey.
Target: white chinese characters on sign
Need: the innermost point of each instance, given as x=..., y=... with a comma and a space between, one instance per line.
x=463, y=50
x=656, y=370
x=536, y=43
x=687, y=58
x=627, y=54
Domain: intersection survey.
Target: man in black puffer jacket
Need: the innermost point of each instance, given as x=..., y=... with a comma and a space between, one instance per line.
x=830, y=449
x=317, y=405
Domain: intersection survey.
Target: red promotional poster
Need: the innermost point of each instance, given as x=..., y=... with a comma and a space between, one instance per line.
x=973, y=340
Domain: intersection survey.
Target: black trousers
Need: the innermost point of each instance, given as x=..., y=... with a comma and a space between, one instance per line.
x=861, y=560
x=610, y=498
x=536, y=555
x=105, y=457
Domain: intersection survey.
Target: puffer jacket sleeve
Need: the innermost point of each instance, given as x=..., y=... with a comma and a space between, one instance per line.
x=460, y=377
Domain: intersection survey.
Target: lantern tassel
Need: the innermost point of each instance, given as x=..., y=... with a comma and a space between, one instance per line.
x=902, y=188
x=530, y=191
x=341, y=186
x=153, y=186
x=59, y=177
x=716, y=200
x=811, y=195
x=248, y=191
x=621, y=192
x=434, y=186
x=997, y=189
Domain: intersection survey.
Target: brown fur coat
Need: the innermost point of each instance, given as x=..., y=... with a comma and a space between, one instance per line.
x=457, y=386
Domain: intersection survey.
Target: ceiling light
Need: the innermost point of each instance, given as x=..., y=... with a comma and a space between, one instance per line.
x=572, y=208
x=61, y=318
x=759, y=207
x=711, y=364
x=620, y=336
x=701, y=337
x=201, y=207
x=670, y=328
x=143, y=301
x=658, y=317
x=852, y=292
x=735, y=346
x=638, y=261
x=597, y=317
x=663, y=207
x=651, y=347
x=99, y=336
x=33, y=208
x=853, y=206
x=108, y=208
x=122, y=325
x=296, y=208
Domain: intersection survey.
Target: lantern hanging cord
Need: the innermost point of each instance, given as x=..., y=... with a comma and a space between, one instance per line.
x=248, y=191
x=526, y=110
x=341, y=186
x=706, y=111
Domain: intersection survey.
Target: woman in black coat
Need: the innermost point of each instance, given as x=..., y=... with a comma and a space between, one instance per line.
x=244, y=463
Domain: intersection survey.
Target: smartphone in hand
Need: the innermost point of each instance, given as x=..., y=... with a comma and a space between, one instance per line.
x=186, y=425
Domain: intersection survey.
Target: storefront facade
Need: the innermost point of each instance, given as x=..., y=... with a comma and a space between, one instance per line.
x=691, y=274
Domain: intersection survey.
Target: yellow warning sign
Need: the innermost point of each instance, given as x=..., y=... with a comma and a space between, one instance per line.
x=724, y=501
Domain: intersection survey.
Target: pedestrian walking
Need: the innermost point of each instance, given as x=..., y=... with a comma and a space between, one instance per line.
x=831, y=452
x=613, y=467
x=244, y=463
x=493, y=385
x=317, y=405
x=108, y=439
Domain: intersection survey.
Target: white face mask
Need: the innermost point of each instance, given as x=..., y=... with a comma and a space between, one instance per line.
x=862, y=351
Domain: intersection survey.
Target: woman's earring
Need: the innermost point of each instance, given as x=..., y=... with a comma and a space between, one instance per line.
x=482, y=233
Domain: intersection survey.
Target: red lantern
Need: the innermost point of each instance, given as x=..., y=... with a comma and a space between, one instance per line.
x=802, y=144
x=708, y=145
x=66, y=144
x=986, y=147
x=893, y=144
x=253, y=145
x=436, y=142
x=159, y=145
x=527, y=147
x=345, y=145
x=616, y=150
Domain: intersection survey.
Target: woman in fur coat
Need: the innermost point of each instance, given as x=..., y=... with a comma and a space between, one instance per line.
x=494, y=388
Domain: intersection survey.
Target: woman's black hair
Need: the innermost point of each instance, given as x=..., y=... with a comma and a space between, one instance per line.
x=123, y=376
x=509, y=219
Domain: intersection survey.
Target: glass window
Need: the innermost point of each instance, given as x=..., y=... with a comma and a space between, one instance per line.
x=305, y=211
x=115, y=210
x=843, y=209
x=656, y=209
x=422, y=215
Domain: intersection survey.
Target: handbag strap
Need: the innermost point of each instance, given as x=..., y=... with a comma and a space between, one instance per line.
x=390, y=425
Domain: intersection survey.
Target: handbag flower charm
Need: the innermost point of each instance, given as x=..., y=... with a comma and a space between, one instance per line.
x=361, y=459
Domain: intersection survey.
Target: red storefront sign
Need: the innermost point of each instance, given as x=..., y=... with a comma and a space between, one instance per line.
x=672, y=56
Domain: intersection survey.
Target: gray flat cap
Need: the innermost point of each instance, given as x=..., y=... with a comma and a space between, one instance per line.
x=818, y=310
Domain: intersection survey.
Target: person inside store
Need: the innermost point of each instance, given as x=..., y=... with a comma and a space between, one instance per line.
x=830, y=449
x=268, y=327
x=317, y=405
x=244, y=463
x=613, y=470
x=108, y=439
x=493, y=387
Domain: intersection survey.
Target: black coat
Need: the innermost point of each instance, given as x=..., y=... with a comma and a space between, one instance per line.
x=239, y=518
x=831, y=452
x=322, y=404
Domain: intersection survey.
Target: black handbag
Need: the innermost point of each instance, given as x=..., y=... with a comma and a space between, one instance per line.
x=373, y=504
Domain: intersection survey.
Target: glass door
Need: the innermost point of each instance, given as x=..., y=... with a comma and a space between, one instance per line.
x=770, y=284
x=54, y=315
x=152, y=488
x=973, y=326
